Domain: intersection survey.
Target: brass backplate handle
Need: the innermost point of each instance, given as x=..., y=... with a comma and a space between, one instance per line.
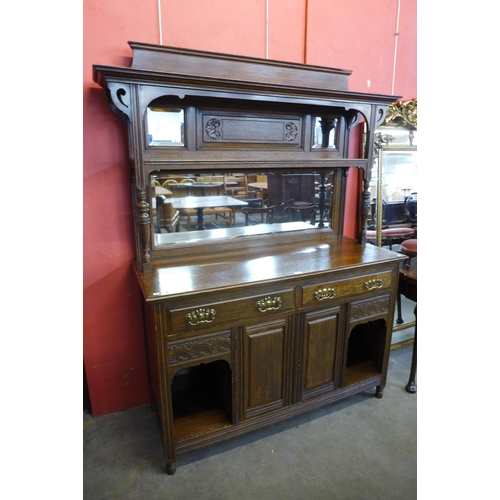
x=375, y=283
x=200, y=316
x=268, y=304
x=325, y=293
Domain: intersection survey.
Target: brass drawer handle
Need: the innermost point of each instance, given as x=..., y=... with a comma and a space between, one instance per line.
x=372, y=284
x=200, y=316
x=268, y=303
x=325, y=293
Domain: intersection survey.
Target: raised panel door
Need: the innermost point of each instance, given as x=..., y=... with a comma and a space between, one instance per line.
x=266, y=368
x=320, y=352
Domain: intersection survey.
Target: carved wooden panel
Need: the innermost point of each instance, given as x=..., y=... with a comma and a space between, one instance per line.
x=223, y=128
x=199, y=347
x=369, y=308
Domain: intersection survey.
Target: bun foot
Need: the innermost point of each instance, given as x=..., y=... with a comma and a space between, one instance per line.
x=411, y=387
x=171, y=468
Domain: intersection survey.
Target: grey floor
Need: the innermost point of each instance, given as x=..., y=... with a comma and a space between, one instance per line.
x=358, y=448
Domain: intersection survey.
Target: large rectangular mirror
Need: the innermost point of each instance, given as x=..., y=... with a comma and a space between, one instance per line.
x=188, y=207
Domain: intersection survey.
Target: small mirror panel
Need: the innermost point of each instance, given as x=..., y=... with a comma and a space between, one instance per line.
x=325, y=132
x=165, y=127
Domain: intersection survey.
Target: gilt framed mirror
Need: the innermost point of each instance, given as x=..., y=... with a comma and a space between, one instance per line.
x=394, y=181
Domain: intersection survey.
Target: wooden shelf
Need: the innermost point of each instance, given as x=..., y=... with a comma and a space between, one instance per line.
x=200, y=424
x=358, y=373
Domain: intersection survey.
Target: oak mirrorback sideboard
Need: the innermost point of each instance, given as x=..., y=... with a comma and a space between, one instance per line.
x=247, y=325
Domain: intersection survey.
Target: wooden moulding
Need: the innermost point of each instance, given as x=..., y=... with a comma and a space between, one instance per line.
x=235, y=68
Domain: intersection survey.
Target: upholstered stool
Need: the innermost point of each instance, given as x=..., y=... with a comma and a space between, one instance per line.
x=409, y=248
x=391, y=234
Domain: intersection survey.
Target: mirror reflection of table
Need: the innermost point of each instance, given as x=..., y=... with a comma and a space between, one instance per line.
x=199, y=203
x=260, y=187
x=197, y=188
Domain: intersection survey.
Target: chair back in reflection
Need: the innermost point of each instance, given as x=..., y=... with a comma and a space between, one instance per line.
x=169, y=181
x=236, y=186
x=258, y=214
x=301, y=211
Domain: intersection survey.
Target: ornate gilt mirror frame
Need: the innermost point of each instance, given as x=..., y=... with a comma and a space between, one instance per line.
x=401, y=115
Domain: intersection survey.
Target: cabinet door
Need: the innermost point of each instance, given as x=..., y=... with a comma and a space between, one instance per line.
x=320, y=352
x=266, y=368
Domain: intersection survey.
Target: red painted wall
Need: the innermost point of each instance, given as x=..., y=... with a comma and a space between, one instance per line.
x=338, y=33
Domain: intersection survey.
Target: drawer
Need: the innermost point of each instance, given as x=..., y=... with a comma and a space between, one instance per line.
x=231, y=312
x=323, y=292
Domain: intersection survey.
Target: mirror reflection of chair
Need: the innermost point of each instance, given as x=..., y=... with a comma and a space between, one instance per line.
x=411, y=209
x=391, y=235
x=301, y=210
x=236, y=186
x=167, y=217
x=251, y=202
x=258, y=212
x=169, y=181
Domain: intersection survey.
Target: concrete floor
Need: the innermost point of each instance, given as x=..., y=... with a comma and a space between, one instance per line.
x=355, y=449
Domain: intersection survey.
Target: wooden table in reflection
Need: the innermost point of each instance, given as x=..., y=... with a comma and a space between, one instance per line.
x=197, y=188
x=199, y=203
x=259, y=186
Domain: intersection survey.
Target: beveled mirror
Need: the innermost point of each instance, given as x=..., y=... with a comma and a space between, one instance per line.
x=193, y=207
x=165, y=126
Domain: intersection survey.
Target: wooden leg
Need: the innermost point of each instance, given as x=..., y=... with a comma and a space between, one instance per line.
x=411, y=387
x=399, y=320
x=201, y=219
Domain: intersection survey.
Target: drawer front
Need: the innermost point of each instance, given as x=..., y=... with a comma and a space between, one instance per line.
x=231, y=312
x=323, y=292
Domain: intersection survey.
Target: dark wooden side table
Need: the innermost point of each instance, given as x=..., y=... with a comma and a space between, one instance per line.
x=408, y=288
